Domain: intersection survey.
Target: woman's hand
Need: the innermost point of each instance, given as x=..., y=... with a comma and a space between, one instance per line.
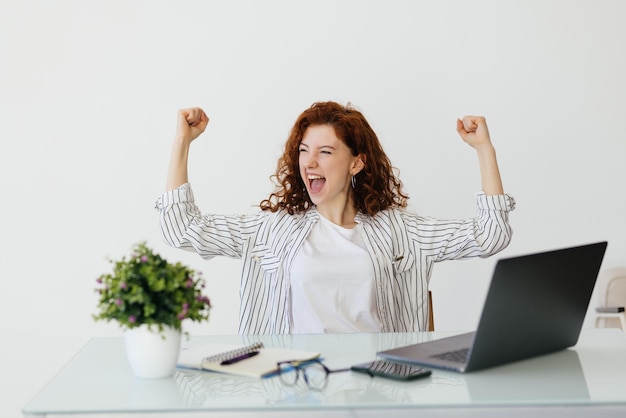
x=191, y=123
x=474, y=131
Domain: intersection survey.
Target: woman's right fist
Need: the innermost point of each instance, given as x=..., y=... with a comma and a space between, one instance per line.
x=191, y=123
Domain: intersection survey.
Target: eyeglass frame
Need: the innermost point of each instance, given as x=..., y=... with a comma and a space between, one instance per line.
x=300, y=366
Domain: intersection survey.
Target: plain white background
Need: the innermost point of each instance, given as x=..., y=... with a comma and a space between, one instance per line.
x=89, y=92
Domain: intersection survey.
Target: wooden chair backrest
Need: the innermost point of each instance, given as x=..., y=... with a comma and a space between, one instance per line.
x=431, y=318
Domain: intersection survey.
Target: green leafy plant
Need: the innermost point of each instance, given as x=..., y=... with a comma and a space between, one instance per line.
x=146, y=289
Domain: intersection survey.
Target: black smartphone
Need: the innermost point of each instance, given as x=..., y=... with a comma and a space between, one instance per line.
x=391, y=370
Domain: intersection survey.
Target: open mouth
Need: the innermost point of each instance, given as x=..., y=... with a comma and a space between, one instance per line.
x=316, y=183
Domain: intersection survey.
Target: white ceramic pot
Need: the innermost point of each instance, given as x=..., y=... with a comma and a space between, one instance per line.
x=152, y=354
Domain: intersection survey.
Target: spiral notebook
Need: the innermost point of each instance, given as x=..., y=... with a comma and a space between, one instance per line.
x=253, y=360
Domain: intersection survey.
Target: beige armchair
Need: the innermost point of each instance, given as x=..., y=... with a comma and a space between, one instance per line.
x=611, y=292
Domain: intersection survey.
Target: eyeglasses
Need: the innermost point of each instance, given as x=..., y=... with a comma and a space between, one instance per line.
x=313, y=372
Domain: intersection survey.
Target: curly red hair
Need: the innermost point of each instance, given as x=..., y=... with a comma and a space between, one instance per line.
x=377, y=186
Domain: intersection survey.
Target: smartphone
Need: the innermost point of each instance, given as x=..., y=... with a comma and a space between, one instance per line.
x=391, y=370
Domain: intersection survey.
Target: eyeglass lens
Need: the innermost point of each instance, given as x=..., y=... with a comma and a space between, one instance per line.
x=315, y=375
x=288, y=373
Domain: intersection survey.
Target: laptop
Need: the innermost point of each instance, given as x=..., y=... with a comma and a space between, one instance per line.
x=536, y=304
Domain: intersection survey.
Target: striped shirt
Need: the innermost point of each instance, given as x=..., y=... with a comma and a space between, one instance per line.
x=402, y=245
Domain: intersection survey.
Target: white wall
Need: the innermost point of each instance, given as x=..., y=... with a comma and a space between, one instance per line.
x=89, y=91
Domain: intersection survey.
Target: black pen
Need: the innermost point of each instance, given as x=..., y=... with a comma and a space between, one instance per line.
x=239, y=358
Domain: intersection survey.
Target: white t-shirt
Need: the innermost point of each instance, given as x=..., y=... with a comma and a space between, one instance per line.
x=332, y=283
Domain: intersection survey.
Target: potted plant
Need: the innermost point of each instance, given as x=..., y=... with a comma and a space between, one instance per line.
x=149, y=298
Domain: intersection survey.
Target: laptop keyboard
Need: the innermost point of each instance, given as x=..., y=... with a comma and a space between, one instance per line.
x=457, y=356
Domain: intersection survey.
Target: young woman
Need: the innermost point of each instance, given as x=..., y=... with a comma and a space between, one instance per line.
x=333, y=248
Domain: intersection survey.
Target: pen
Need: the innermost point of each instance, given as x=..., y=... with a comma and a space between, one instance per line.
x=239, y=358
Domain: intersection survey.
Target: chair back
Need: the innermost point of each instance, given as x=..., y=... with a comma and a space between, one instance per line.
x=611, y=292
x=431, y=317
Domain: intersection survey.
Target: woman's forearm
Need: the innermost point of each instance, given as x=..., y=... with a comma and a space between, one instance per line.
x=474, y=131
x=489, y=171
x=177, y=174
x=190, y=124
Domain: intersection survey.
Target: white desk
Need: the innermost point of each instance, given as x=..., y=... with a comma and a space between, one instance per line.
x=588, y=380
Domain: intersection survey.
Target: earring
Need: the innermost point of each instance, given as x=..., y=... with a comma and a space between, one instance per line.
x=353, y=181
